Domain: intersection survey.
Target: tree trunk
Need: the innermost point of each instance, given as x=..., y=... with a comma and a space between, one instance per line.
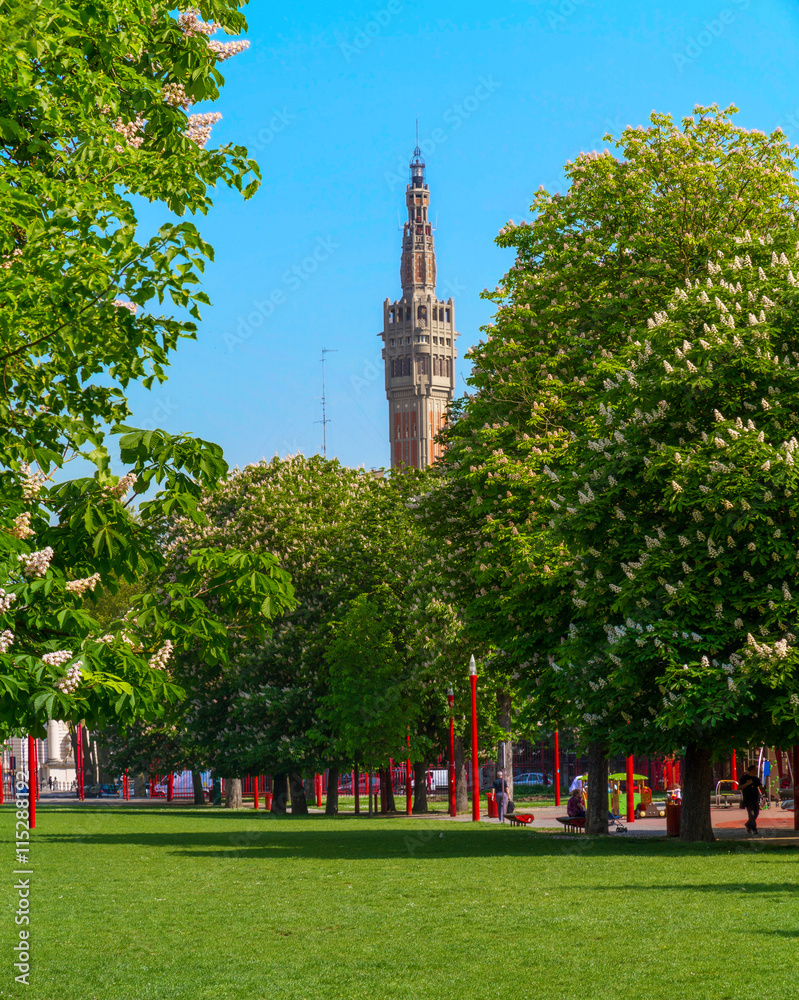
x=419, y=787
x=197, y=782
x=461, y=778
x=331, y=805
x=139, y=785
x=385, y=776
x=233, y=796
x=697, y=785
x=280, y=794
x=596, y=813
x=505, y=747
x=299, y=803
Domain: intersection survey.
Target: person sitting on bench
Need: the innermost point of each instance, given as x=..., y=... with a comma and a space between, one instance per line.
x=575, y=808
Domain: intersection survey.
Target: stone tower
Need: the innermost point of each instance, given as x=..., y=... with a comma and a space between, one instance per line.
x=418, y=338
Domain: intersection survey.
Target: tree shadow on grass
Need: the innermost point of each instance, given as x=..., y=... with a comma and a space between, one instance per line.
x=248, y=836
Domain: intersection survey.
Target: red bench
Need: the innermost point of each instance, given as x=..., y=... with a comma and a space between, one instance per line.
x=520, y=819
x=572, y=824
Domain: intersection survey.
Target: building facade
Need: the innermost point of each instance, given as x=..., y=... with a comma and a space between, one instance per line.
x=418, y=338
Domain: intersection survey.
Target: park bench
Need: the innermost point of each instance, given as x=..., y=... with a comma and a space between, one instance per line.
x=519, y=819
x=572, y=824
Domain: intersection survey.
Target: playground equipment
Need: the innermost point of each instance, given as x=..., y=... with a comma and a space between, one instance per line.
x=642, y=797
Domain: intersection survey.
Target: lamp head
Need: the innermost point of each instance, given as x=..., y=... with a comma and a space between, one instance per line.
x=450, y=692
x=472, y=666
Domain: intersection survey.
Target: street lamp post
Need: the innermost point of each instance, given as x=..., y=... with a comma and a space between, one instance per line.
x=453, y=805
x=475, y=768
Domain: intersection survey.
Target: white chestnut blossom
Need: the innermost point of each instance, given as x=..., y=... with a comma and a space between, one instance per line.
x=22, y=526
x=36, y=563
x=70, y=683
x=80, y=587
x=57, y=658
x=160, y=658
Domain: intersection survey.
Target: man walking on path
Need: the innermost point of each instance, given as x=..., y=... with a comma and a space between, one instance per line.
x=501, y=795
x=751, y=787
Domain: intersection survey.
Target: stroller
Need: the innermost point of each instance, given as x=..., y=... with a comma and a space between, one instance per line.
x=615, y=823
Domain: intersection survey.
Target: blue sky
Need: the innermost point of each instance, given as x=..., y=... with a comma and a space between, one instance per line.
x=505, y=93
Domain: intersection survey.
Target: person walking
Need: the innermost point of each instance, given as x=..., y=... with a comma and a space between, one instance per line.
x=501, y=795
x=751, y=786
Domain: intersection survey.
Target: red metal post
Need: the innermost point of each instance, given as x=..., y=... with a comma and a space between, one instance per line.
x=1, y=778
x=453, y=802
x=475, y=765
x=630, y=791
x=318, y=786
x=557, y=768
x=734, y=770
x=125, y=786
x=795, y=768
x=356, y=784
x=31, y=783
x=79, y=760
x=255, y=791
x=170, y=787
x=408, y=784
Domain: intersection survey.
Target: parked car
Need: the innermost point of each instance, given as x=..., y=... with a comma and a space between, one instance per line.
x=529, y=778
x=98, y=791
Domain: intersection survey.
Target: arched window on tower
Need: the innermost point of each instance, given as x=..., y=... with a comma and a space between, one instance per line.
x=407, y=312
x=449, y=367
x=448, y=319
x=421, y=312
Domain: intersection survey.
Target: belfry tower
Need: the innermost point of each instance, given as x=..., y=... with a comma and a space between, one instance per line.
x=418, y=338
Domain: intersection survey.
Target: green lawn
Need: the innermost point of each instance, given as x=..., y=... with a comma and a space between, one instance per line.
x=156, y=903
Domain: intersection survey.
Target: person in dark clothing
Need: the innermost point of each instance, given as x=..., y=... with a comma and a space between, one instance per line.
x=575, y=807
x=751, y=786
x=501, y=795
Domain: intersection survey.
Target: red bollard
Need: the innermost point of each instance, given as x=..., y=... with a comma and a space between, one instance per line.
x=475, y=761
x=170, y=787
x=31, y=783
x=318, y=783
x=255, y=791
x=557, y=768
x=356, y=786
x=408, y=790
x=630, y=791
x=1, y=779
x=79, y=761
x=734, y=770
x=795, y=766
x=453, y=797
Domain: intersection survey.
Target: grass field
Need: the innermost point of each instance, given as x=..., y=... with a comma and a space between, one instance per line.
x=163, y=903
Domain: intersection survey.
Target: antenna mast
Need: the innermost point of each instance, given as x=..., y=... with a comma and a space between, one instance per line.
x=324, y=421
